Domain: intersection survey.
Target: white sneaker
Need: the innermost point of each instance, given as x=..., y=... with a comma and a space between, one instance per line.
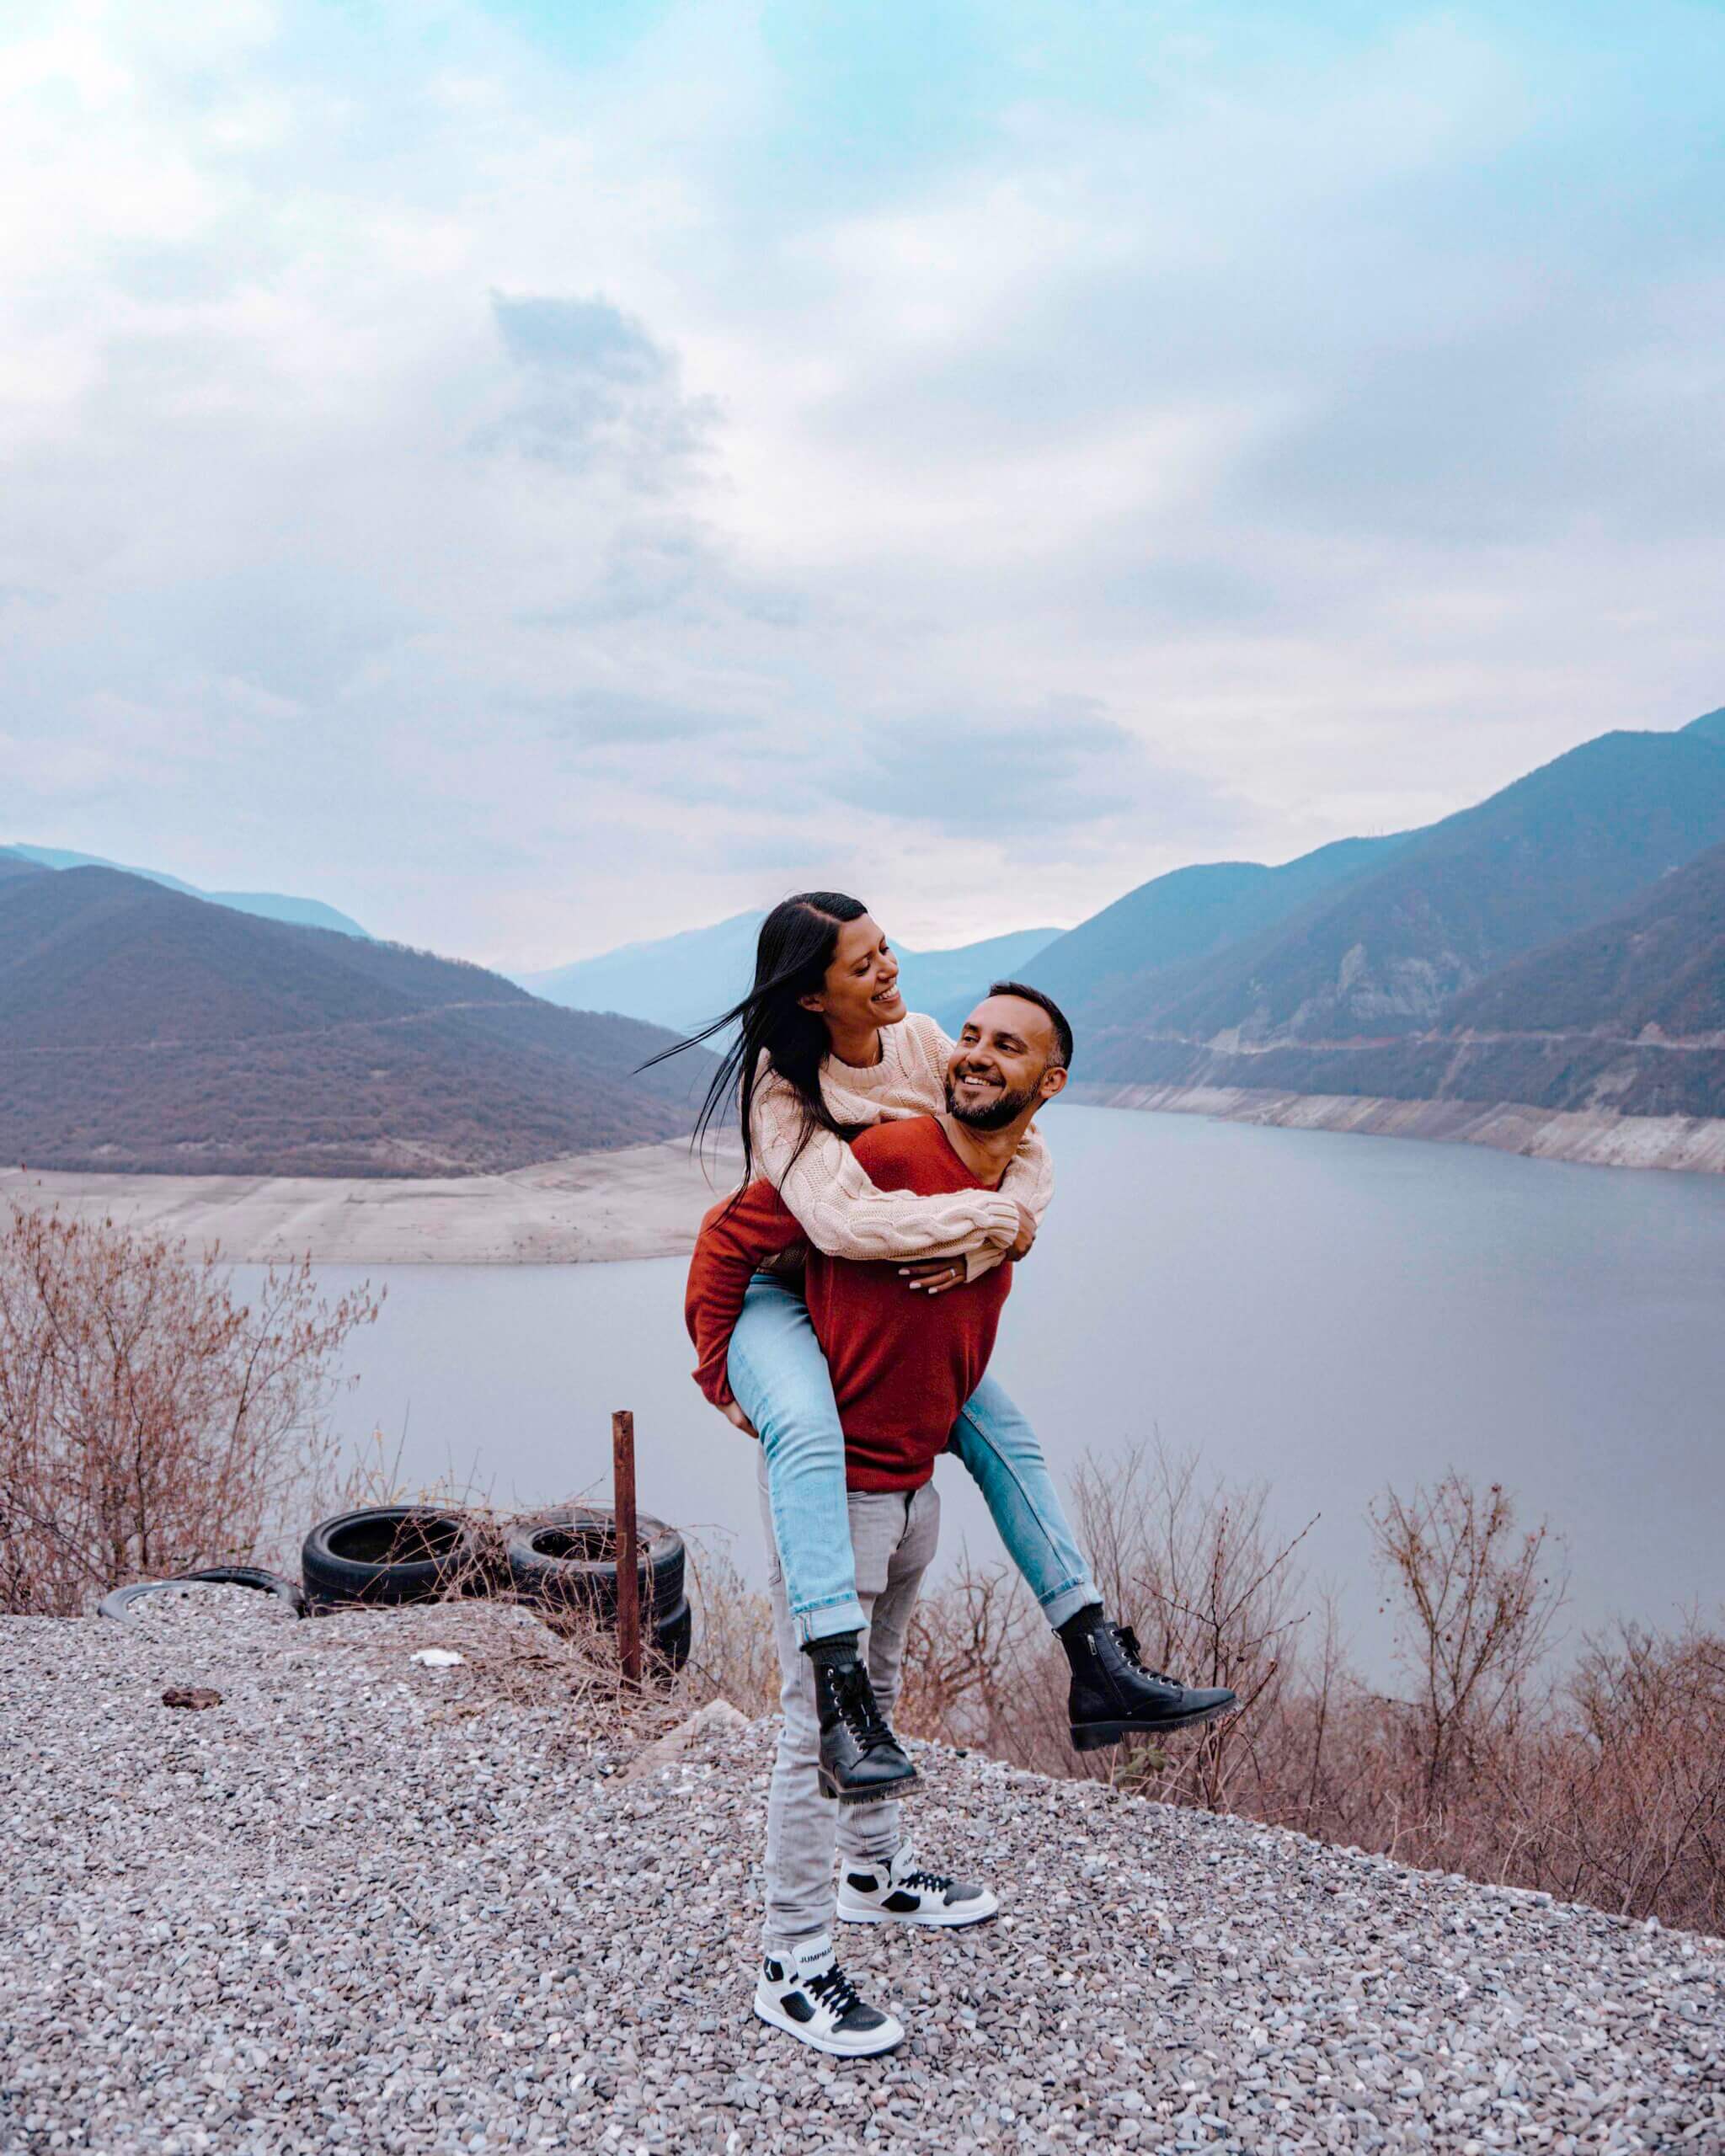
x=897, y=1893
x=807, y=1995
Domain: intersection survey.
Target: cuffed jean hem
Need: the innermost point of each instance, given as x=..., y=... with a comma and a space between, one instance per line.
x=825, y=1620
x=1057, y=1607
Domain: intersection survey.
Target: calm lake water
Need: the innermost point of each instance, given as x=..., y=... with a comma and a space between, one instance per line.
x=1324, y=1314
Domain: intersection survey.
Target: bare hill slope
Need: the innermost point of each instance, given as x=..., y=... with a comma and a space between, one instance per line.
x=140, y=1029
x=1568, y=846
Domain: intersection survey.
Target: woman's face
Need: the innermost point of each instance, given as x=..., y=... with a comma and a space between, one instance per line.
x=861, y=987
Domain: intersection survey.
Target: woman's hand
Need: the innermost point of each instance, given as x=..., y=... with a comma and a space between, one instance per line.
x=734, y=1414
x=934, y=1275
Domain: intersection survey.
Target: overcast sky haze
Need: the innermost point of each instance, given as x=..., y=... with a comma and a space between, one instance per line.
x=539, y=475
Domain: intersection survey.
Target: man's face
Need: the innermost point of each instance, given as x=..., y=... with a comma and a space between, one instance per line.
x=1001, y=1064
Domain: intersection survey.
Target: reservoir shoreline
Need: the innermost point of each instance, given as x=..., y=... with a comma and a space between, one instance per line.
x=1591, y=1138
x=646, y=1201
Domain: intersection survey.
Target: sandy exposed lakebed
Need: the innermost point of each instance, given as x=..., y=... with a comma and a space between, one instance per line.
x=645, y=1201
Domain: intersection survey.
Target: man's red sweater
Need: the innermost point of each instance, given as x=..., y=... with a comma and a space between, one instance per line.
x=902, y=1363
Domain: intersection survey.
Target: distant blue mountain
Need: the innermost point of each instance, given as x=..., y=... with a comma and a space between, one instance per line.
x=268, y=906
x=685, y=980
x=1711, y=725
x=931, y=979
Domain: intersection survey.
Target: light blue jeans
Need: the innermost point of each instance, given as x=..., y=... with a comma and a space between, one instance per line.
x=782, y=1383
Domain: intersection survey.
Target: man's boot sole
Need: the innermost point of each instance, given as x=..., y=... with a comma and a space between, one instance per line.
x=884, y=1793
x=1097, y=1735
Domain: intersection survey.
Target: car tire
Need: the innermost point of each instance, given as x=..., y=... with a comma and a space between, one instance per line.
x=120, y=1603
x=566, y=1560
x=673, y=1637
x=386, y=1553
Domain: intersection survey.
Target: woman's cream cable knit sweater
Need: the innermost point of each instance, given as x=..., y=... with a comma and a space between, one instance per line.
x=841, y=1212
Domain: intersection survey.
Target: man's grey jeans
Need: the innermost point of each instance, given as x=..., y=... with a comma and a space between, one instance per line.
x=894, y=1533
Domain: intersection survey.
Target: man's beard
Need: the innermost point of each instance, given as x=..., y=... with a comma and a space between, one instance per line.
x=995, y=1117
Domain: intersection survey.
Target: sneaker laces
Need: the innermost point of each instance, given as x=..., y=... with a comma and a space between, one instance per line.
x=928, y=1882
x=833, y=1989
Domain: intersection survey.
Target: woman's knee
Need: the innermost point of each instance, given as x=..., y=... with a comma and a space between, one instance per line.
x=797, y=1430
x=779, y=1376
x=990, y=1418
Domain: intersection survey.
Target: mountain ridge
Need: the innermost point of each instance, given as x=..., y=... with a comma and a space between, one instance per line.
x=1181, y=918
x=685, y=980
x=266, y=905
x=1563, y=847
x=146, y=1031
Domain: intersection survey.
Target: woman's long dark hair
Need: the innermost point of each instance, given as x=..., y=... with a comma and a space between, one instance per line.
x=795, y=948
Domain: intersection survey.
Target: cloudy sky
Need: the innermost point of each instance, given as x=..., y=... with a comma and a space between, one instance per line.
x=535, y=474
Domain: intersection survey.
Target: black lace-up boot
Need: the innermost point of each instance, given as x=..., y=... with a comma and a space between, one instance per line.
x=1113, y=1694
x=861, y=1762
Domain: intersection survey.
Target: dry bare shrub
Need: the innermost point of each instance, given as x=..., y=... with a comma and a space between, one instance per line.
x=1479, y=1602
x=148, y=1420
x=972, y=1674
x=1211, y=1594
x=1617, y=1794
x=734, y=1657
x=1195, y=1569
x=1610, y=1788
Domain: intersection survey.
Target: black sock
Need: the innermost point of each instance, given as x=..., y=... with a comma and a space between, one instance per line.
x=828, y=1653
x=1074, y=1636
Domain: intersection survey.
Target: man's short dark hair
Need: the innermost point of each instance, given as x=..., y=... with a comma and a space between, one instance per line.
x=1062, y=1057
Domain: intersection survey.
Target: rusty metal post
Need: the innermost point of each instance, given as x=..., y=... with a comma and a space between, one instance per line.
x=628, y=1574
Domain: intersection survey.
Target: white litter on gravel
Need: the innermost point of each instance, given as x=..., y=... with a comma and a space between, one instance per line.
x=352, y=1911
x=439, y=1659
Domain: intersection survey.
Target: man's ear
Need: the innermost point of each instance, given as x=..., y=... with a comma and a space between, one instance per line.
x=1054, y=1080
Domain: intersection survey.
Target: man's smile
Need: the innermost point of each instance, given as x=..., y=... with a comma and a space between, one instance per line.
x=977, y=1081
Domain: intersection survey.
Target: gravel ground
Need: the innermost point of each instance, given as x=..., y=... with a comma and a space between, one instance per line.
x=368, y=1906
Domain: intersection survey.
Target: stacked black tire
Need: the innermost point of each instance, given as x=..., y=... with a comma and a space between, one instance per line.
x=567, y=1560
x=561, y=1562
